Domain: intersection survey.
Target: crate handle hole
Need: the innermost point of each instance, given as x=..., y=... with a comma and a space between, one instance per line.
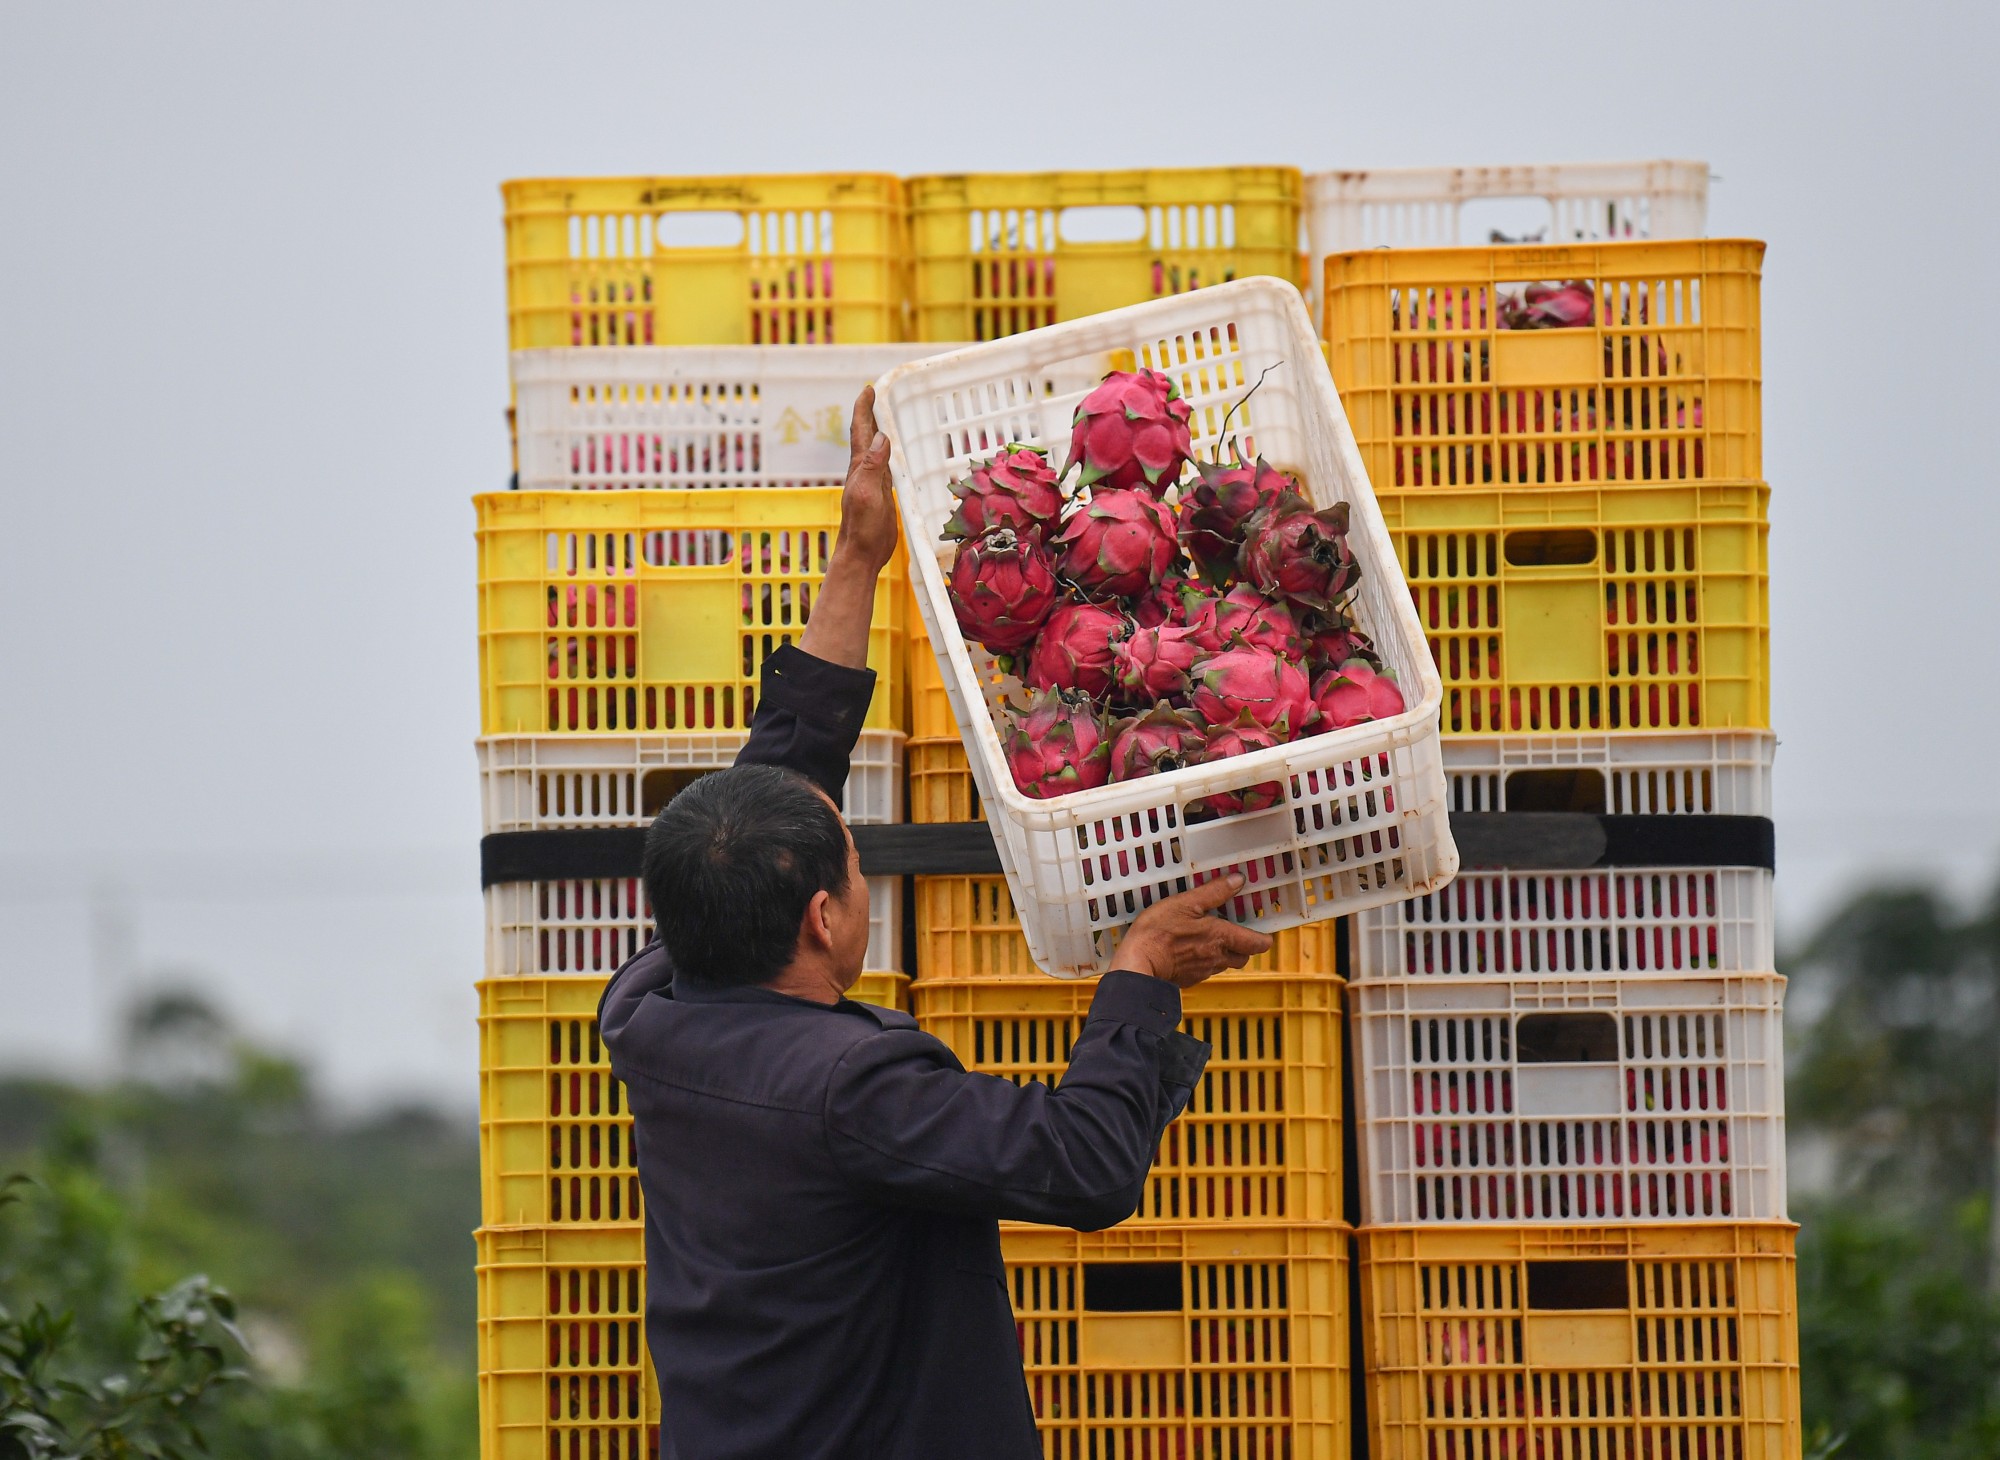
x=1117, y=223
x=1576, y=1287
x=1131, y=1287
x=1485, y=221
x=1551, y=547
x=661, y=786
x=1566, y=1039
x=700, y=229
x=1564, y=788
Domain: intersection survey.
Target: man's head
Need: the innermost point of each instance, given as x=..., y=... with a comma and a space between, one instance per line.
x=751, y=873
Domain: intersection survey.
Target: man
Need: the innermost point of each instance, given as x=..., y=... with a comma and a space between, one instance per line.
x=823, y=1180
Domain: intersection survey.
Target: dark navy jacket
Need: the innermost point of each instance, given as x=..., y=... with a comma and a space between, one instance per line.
x=823, y=1183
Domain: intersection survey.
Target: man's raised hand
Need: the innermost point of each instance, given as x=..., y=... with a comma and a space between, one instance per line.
x=867, y=504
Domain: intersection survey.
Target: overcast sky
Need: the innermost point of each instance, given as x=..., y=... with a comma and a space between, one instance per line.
x=254, y=364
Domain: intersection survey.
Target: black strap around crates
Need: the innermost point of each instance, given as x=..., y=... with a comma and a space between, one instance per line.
x=1528, y=841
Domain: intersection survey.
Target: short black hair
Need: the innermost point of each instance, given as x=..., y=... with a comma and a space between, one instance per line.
x=731, y=864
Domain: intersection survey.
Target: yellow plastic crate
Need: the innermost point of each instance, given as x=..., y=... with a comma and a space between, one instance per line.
x=642, y=611
x=941, y=788
x=1665, y=385
x=967, y=929
x=1611, y=1341
x=1586, y=608
x=563, y=1370
x=999, y=253
x=555, y=1131
x=1184, y=1342
x=808, y=259
x=1260, y=1139
x=930, y=707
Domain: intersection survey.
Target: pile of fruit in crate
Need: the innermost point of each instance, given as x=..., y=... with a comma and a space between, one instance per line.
x=1158, y=620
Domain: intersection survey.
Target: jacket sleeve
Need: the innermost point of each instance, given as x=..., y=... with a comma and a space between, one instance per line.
x=809, y=714
x=906, y=1122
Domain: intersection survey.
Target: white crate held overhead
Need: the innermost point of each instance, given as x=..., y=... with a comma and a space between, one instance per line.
x=599, y=419
x=1720, y=773
x=591, y=925
x=1603, y=922
x=553, y=782
x=1362, y=817
x=1569, y=1101
x=1425, y=207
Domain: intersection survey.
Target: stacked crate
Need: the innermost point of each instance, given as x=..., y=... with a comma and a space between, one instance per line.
x=686, y=354
x=995, y=254
x=1569, y=1061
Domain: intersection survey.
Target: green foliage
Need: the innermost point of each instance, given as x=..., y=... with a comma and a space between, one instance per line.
x=1896, y=1078
x=346, y=1244
x=102, y=1380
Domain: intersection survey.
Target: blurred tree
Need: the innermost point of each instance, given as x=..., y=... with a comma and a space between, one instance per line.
x=1901, y=1068
x=346, y=1241
x=1898, y=1071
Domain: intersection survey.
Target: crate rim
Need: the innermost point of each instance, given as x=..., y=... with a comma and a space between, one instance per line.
x=1528, y=252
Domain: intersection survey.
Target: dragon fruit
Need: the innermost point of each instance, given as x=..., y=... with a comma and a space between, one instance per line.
x=1132, y=431
x=1015, y=489
x=1003, y=588
x=1356, y=693
x=1216, y=509
x=1244, y=613
x=1332, y=640
x=1292, y=552
x=1057, y=745
x=1162, y=739
x=1153, y=663
x=1166, y=602
x=1271, y=690
x=1548, y=307
x=1239, y=739
x=1117, y=545
x=1076, y=649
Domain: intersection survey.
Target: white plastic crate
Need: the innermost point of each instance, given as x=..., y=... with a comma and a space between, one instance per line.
x=597, y=419
x=1362, y=820
x=1424, y=207
x=558, y=782
x=1606, y=921
x=1724, y=773
x=591, y=925
x=1500, y=1103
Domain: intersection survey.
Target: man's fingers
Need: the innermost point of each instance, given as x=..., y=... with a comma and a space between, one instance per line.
x=1214, y=893
x=1245, y=942
x=861, y=432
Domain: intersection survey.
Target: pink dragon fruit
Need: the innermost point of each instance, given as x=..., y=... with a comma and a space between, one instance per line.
x=1162, y=739
x=1240, y=738
x=1292, y=552
x=1117, y=545
x=1132, y=431
x=1332, y=640
x=1076, y=649
x=1271, y=690
x=1548, y=307
x=1015, y=489
x=1166, y=602
x=1247, y=615
x=1356, y=693
x=1153, y=663
x=1216, y=509
x=1003, y=588
x=1057, y=745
